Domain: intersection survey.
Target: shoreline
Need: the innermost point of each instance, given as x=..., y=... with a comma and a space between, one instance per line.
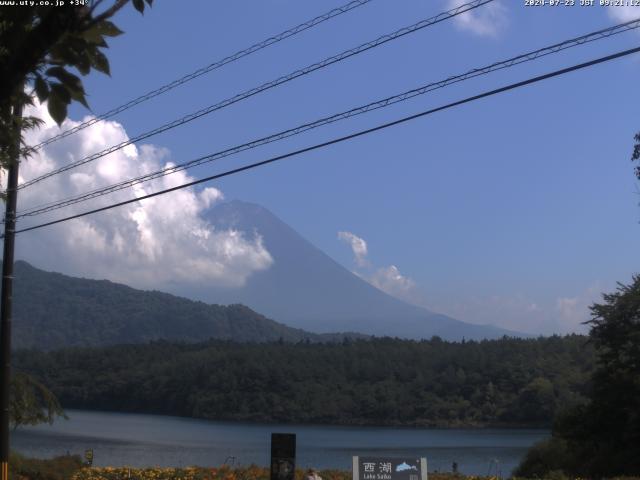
x=355, y=424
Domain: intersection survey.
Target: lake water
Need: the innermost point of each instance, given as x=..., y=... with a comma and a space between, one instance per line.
x=146, y=440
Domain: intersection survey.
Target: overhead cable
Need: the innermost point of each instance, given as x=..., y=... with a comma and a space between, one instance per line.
x=266, y=86
x=209, y=68
x=334, y=141
x=526, y=57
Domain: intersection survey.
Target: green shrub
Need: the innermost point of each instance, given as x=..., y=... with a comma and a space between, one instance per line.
x=545, y=459
x=58, y=468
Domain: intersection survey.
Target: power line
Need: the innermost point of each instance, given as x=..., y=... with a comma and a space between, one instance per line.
x=526, y=57
x=209, y=68
x=360, y=133
x=266, y=86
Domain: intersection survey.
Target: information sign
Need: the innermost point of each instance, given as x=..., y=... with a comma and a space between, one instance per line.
x=88, y=456
x=389, y=468
x=283, y=456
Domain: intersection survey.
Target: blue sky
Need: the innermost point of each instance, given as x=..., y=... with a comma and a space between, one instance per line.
x=516, y=210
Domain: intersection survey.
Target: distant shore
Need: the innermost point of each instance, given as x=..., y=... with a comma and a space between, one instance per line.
x=346, y=423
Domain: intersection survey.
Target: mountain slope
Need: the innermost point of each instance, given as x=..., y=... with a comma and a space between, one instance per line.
x=52, y=310
x=307, y=289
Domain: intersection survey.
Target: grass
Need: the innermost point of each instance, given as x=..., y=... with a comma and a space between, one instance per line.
x=223, y=473
x=59, y=468
x=71, y=468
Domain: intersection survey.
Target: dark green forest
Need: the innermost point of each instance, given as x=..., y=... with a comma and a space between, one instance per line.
x=55, y=311
x=515, y=382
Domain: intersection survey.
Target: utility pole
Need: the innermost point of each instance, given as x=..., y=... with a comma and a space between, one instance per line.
x=7, y=291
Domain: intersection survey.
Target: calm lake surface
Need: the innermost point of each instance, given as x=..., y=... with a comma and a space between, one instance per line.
x=147, y=440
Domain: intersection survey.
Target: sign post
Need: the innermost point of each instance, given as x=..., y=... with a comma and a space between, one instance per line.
x=283, y=456
x=88, y=456
x=389, y=468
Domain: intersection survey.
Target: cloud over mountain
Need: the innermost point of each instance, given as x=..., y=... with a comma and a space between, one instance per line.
x=388, y=279
x=150, y=244
x=358, y=245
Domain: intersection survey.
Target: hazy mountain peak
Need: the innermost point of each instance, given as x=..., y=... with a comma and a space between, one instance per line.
x=307, y=289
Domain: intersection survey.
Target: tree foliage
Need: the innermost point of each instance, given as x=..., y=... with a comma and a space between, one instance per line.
x=386, y=381
x=613, y=414
x=30, y=402
x=42, y=47
x=602, y=437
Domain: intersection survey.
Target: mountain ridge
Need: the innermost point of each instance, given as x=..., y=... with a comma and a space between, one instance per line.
x=52, y=310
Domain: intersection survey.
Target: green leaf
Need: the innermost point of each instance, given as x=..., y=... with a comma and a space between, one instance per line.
x=75, y=42
x=55, y=71
x=60, y=92
x=41, y=88
x=108, y=28
x=100, y=43
x=94, y=36
x=83, y=64
x=69, y=80
x=139, y=5
x=62, y=54
x=79, y=97
x=100, y=62
x=57, y=109
x=29, y=123
x=65, y=54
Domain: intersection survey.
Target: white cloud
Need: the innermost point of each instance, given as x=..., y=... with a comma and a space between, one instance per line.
x=519, y=312
x=568, y=308
x=388, y=279
x=572, y=312
x=153, y=243
x=515, y=312
x=486, y=21
x=358, y=246
x=624, y=13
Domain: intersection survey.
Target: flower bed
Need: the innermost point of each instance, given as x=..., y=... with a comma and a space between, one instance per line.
x=223, y=473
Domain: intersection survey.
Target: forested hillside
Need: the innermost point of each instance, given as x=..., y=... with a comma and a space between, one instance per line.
x=382, y=381
x=54, y=311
